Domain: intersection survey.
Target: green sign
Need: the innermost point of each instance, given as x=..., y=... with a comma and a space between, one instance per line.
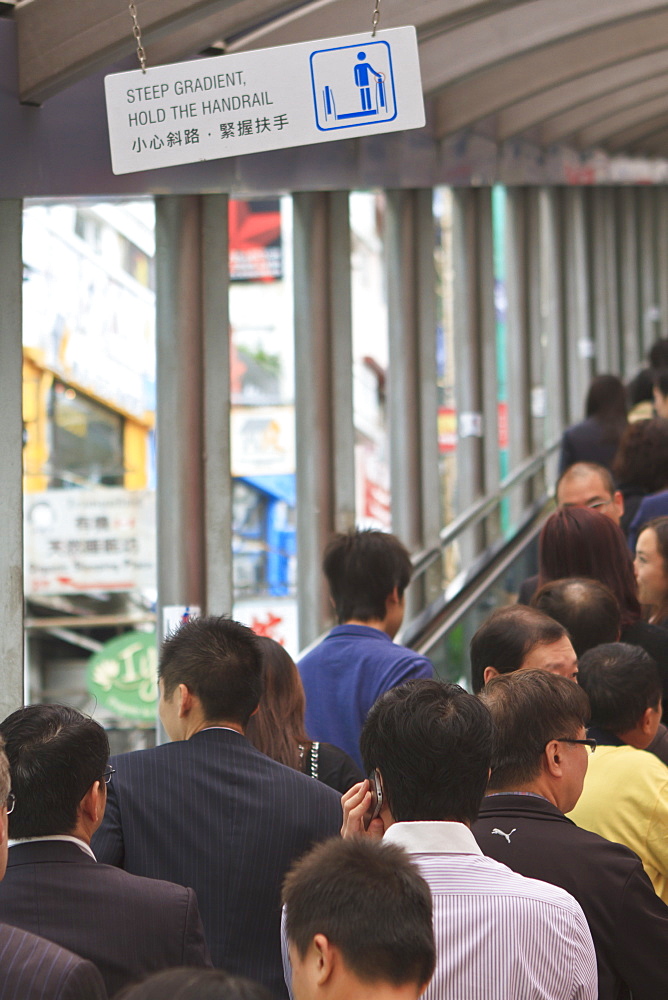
x=123, y=676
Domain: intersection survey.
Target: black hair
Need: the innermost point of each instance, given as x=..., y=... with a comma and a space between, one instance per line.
x=370, y=901
x=606, y=402
x=55, y=754
x=219, y=661
x=658, y=355
x=622, y=682
x=362, y=569
x=642, y=456
x=194, y=984
x=587, y=609
x=507, y=637
x=529, y=708
x=432, y=743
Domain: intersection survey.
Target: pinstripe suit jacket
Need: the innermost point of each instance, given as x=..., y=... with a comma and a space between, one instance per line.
x=127, y=926
x=215, y=813
x=34, y=969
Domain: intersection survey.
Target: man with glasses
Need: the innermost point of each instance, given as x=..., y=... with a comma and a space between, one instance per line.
x=541, y=754
x=32, y=968
x=583, y=484
x=126, y=925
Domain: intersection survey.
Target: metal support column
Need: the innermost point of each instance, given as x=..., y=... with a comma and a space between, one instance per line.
x=628, y=281
x=661, y=200
x=650, y=313
x=194, y=487
x=412, y=390
x=580, y=345
x=11, y=487
x=519, y=349
x=605, y=299
x=473, y=318
x=323, y=393
x=537, y=368
x=552, y=312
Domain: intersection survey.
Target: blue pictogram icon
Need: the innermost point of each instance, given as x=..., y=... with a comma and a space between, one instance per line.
x=353, y=85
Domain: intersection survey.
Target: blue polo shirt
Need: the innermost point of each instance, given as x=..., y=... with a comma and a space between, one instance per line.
x=344, y=676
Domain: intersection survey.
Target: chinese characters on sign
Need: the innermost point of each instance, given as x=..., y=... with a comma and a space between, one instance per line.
x=291, y=95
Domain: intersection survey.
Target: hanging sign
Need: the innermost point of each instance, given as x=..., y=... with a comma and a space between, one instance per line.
x=291, y=95
x=123, y=676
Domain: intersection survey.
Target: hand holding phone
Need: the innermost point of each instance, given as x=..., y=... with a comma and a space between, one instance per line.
x=376, y=789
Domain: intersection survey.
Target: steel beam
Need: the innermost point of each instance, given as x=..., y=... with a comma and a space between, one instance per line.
x=323, y=393
x=194, y=495
x=627, y=262
x=552, y=310
x=11, y=487
x=412, y=392
x=650, y=315
x=519, y=340
x=580, y=345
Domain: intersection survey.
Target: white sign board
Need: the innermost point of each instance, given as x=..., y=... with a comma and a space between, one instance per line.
x=291, y=95
x=82, y=541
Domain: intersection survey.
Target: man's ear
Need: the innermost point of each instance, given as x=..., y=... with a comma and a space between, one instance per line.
x=325, y=956
x=94, y=802
x=646, y=722
x=488, y=673
x=185, y=697
x=552, y=759
x=618, y=500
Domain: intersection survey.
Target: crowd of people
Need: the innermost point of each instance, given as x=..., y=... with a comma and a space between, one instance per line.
x=351, y=827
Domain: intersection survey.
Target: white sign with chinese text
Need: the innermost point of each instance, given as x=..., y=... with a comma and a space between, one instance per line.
x=82, y=541
x=291, y=95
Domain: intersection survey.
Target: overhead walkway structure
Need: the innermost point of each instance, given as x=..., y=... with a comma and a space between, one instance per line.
x=561, y=107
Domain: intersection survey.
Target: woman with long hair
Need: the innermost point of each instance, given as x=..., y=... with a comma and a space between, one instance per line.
x=277, y=728
x=651, y=569
x=596, y=438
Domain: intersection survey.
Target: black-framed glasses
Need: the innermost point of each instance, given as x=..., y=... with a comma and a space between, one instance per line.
x=10, y=802
x=108, y=771
x=589, y=744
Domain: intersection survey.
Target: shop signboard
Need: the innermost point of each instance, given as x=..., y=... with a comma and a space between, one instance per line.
x=123, y=676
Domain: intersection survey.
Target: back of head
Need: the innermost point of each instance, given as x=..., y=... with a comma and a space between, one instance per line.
x=576, y=541
x=587, y=609
x=277, y=728
x=606, y=400
x=622, y=681
x=432, y=743
x=371, y=903
x=660, y=380
x=55, y=754
x=507, y=637
x=362, y=569
x=658, y=355
x=219, y=661
x=194, y=984
x=529, y=708
x=642, y=456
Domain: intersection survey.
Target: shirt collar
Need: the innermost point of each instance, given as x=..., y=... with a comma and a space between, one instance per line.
x=367, y=630
x=425, y=837
x=61, y=836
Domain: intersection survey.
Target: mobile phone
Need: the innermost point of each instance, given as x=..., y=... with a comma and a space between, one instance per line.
x=376, y=789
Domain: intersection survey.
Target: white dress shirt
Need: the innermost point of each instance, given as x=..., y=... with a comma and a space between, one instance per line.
x=499, y=936
x=81, y=844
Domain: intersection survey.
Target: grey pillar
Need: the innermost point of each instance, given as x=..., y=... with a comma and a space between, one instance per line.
x=194, y=489
x=537, y=344
x=605, y=296
x=661, y=198
x=552, y=312
x=519, y=340
x=628, y=281
x=650, y=314
x=473, y=315
x=11, y=487
x=323, y=393
x=412, y=390
x=580, y=344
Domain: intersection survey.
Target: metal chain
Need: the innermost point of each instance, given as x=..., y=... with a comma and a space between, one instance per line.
x=375, y=18
x=136, y=31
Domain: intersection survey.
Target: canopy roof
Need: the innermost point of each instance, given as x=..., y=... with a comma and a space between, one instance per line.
x=591, y=73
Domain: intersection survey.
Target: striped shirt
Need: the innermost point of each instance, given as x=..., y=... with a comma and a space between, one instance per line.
x=499, y=936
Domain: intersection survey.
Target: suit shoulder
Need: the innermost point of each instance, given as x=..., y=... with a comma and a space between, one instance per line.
x=33, y=968
x=152, y=891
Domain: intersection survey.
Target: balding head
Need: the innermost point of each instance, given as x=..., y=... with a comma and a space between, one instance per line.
x=586, y=608
x=586, y=484
x=516, y=638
